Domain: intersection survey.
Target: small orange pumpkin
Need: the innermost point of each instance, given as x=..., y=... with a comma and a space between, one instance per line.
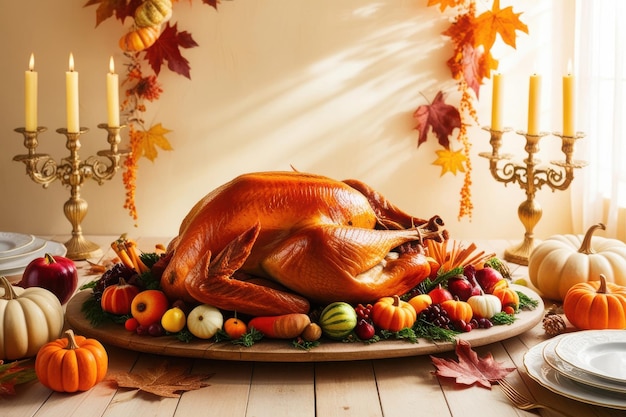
x=393, y=314
x=235, y=328
x=140, y=38
x=596, y=305
x=508, y=297
x=72, y=363
x=458, y=310
x=117, y=299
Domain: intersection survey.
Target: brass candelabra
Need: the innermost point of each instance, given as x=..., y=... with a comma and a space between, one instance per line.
x=72, y=172
x=531, y=178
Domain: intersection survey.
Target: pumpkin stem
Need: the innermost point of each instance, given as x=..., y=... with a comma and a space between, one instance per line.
x=602, y=289
x=71, y=340
x=9, y=292
x=585, y=246
x=396, y=301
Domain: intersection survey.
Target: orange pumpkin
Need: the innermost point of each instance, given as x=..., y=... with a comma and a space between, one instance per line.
x=235, y=328
x=458, y=310
x=596, y=305
x=70, y=364
x=140, y=38
x=508, y=297
x=117, y=299
x=393, y=314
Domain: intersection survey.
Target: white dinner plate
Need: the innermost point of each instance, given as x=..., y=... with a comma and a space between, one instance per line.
x=17, y=267
x=564, y=368
x=24, y=252
x=601, y=353
x=10, y=243
x=548, y=377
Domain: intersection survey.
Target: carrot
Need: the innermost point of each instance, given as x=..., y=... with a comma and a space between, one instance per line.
x=285, y=326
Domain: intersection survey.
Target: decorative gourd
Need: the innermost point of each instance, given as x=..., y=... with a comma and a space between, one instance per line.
x=393, y=314
x=117, y=299
x=561, y=261
x=485, y=305
x=140, y=38
x=338, y=320
x=153, y=12
x=72, y=363
x=204, y=321
x=458, y=310
x=508, y=297
x=29, y=318
x=596, y=305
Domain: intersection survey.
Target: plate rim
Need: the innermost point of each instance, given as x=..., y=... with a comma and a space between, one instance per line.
x=537, y=368
x=583, y=377
x=56, y=249
x=575, y=361
x=29, y=239
x=34, y=247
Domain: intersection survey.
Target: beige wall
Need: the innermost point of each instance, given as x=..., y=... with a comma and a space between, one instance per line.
x=325, y=86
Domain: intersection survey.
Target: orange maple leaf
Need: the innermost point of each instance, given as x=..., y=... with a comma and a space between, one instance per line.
x=149, y=140
x=498, y=21
x=450, y=161
x=443, y=4
x=461, y=31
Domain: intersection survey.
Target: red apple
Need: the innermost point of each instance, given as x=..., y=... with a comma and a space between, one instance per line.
x=364, y=330
x=54, y=273
x=461, y=287
x=487, y=278
x=440, y=294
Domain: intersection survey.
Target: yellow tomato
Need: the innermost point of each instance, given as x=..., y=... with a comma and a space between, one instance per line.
x=173, y=320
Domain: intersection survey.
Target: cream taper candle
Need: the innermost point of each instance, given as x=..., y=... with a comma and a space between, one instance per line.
x=30, y=96
x=534, y=104
x=496, y=103
x=569, y=103
x=113, y=97
x=71, y=97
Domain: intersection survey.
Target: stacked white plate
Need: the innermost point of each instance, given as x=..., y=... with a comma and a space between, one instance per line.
x=17, y=250
x=587, y=366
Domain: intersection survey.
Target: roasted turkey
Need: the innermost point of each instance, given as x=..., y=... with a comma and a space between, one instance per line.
x=273, y=243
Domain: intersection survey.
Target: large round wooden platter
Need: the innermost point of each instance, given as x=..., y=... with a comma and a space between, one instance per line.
x=268, y=350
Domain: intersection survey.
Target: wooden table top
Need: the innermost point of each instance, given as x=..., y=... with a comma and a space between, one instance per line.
x=382, y=387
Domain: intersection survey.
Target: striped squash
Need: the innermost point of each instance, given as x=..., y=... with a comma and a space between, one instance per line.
x=337, y=320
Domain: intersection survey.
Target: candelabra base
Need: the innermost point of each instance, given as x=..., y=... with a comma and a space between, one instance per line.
x=520, y=253
x=79, y=248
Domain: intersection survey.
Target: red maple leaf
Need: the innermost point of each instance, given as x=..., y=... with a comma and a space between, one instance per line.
x=120, y=8
x=441, y=117
x=473, y=64
x=470, y=369
x=167, y=48
x=212, y=3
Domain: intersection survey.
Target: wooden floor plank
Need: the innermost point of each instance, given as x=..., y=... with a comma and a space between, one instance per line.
x=407, y=387
x=346, y=389
x=282, y=389
x=226, y=395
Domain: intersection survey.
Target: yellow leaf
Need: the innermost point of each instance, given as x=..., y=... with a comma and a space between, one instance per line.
x=149, y=140
x=450, y=161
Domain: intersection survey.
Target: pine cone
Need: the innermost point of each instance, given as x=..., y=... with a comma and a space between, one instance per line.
x=553, y=324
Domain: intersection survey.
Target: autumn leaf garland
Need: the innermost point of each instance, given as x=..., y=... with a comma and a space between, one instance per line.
x=473, y=37
x=142, y=85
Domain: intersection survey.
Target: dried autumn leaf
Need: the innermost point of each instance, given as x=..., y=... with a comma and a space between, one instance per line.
x=450, y=161
x=107, y=8
x=498, y=21
x=167, y=48
x=15, y=373
x=441, y=117
x=470, y=369
x=149, y=140
x=163, y=380
x=473, y=64
x=443, y=4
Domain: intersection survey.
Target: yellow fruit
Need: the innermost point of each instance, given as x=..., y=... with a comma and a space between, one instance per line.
x=173, y=320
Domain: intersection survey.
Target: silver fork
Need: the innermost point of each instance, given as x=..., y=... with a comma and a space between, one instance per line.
x=521, y=401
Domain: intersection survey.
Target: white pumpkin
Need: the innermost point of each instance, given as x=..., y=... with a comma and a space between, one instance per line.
x=561, y=261
x=29, y=318
x=204, y=321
